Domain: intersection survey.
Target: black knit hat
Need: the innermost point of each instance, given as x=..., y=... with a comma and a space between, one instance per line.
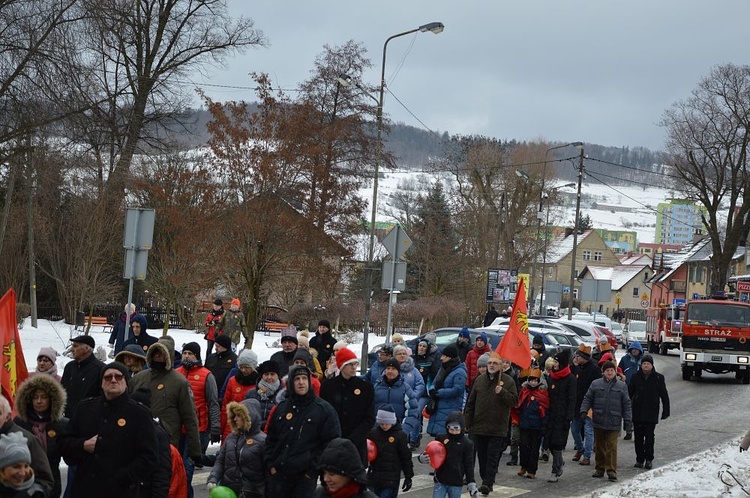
x=325, y=323
x=451, y=351
x=218, y=302
x=268, y=366
x=538, y=341
x=194, y=348
x=224, y=341
x=393, y=362
x=609, y=364
x=563, y=358
x=341, y=457
x=116, y=365
x=647, y=358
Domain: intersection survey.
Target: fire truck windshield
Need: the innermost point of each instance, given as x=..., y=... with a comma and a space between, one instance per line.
x=718, y=314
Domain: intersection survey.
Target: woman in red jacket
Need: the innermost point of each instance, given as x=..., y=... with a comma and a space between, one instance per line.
x=472, y=356
x=240, y=381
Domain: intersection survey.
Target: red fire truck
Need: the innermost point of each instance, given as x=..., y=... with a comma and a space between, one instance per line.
x=664, y=327
x=715, y=337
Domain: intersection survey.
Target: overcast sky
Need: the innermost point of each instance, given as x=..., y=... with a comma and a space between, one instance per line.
x=598, y=71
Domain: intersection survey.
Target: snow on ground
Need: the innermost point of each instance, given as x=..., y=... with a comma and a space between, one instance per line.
x=696, y=476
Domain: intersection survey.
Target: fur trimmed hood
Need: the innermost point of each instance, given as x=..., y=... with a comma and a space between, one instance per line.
x=234, y=409
x=57, y=396
x=165, y=345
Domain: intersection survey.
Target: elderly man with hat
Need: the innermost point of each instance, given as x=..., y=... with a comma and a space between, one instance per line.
x=586, y=372
x=299, y=430
x=285, y=358
x=81, y=376
x=112, y=441
x=448, y=389
x=487, y=415
x=353, y=399
x=323, y=342
x=223, y=361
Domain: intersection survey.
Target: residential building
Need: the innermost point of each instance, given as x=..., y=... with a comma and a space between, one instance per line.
x=616, y=238
x=628, y=287
x=677, y=221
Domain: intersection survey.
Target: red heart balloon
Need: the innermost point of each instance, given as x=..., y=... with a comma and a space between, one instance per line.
x=436, y=451
x=372, y=450
x=425, y=415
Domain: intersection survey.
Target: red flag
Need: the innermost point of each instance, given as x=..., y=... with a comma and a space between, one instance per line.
x=12, y=363
x=514, y=345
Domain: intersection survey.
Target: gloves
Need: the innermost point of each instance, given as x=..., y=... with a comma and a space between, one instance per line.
x=473, y=491
x=583, y=416
x=423, y=458
x=432, y=393
x=664, y=416
x=210, y=486
x=407, y=485
x=215, y=437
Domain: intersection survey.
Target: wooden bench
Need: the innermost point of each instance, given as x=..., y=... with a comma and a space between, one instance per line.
x=269, y=327
x=99, y=321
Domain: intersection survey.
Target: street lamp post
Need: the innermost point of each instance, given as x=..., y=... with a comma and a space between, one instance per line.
x=575, y=236
x=433, y=27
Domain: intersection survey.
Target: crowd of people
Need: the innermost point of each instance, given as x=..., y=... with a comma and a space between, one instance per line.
x=305, y=423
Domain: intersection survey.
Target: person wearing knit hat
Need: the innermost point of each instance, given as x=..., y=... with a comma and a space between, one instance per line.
x=213, y=317
x=586, y=372
x=392, y=389
x=46, y=363
x=289, y=344
x=449, y=389
x=323, y=342
x=562, y=398
x=531, y=410
x=268, y=386
x=304, y=343
x=608, y=401
x=222, y=362
x=352, y=398
x=303, y=357
x=463, y=343
x=239, y=382
x=480, y=347
x=233, y=324
x=332, y=369
x=393, y=455
x=206, y=394
x=298, y=432
x=602, y=347
x=482, y=361
x=647, y=390
x=450, y=351
x=16, y=475
x=375, y=371
x=537, y=345
x=129, y=432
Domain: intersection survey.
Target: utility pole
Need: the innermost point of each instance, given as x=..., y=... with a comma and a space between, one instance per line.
x=575, y=237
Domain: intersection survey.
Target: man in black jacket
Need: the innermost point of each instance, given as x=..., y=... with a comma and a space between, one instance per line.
x=647, y=387
x=299, y=430
x=323, y=343
x=353, y=399
x=112, y=441
x=81, y=377
x=585, y=372
x=222, y=361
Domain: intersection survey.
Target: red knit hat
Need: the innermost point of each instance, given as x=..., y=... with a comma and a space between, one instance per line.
x=345, y=356
x=236, y=301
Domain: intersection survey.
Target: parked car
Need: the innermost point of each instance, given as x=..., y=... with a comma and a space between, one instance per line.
x=610, y=336
x=585, y=330
x=635, y=330
x=616, y=330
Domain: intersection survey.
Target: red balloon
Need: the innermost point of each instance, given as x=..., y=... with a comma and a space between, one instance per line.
x=436, y=451
x=425, y=415
x=372, y=450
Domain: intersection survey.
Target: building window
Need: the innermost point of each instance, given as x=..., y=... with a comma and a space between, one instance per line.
x=635, y=291
x=597, y=255
x=587, y=255
x=576, y=270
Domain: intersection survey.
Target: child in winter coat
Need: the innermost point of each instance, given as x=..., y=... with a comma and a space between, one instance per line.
x=240, y=463
x=459, y=460
x=393, y=457
x=16, y=475
x=531, y=411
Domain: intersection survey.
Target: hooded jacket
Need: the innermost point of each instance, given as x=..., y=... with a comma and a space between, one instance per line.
x=117, y=337
x=450, y=388
x=171, y=397
x=340, y=457
x=630, y=363
x=472, y=357
x=459, y=454
x=240, y=462
x=48, y=427
x=412, y=377
x=299, y=430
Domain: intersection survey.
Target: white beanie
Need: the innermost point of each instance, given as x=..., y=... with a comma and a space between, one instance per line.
x=248, y=357
x=13, y=450
x=386, y=416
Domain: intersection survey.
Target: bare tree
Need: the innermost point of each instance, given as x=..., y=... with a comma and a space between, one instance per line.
x=708, y=135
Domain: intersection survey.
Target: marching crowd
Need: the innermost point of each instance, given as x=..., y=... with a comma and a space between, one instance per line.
x=305, y=423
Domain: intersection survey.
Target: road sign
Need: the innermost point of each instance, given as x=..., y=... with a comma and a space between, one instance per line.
x=391, y=281
x=397, y=242
x=644, y=303
x=644, y=297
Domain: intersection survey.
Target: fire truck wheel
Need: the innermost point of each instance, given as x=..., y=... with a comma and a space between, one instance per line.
x=746, y=377
x=687, y=373
x=663, y=349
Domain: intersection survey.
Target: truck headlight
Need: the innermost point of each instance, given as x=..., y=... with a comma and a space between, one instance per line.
x=743, y=359
x=691, y=356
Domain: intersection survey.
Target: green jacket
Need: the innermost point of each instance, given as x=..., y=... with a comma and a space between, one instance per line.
x=488, y=413
x=232, y=324
x=171, y=397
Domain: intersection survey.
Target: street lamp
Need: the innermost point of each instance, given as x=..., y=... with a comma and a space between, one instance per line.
x=575, y=233
x=544, y=254
x=433, y=27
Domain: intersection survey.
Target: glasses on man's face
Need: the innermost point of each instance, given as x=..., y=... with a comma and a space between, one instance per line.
x=117, y=377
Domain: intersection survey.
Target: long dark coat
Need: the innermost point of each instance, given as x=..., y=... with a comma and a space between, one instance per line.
x=562, y=404
x=645, y=394
x=354, y=402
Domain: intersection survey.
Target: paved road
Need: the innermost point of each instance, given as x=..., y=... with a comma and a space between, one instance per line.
x=704, y=414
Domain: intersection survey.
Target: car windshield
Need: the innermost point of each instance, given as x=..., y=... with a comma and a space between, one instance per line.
x=718, y=313
x=636, y=326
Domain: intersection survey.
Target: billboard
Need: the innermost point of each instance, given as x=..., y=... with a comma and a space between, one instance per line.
x=501, y=285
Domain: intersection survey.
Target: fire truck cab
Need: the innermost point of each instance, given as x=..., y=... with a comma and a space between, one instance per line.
x=664, y=327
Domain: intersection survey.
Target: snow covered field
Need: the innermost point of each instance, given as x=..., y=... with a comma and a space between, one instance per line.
x=696, y=476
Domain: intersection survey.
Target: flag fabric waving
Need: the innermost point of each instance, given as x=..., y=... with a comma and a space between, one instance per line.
x=12, y=363
x=515, y=345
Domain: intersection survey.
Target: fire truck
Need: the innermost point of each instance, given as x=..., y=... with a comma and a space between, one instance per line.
x=664, y=327
x=715, y=337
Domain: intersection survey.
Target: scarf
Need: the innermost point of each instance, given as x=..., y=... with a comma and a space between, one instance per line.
x=39, y=423
x=560, y=374
x=51, y=372
x=267, y=391
x=445, y=369
x=246, y=380
x=353, y=488
x=123, y=316
x=542, y=397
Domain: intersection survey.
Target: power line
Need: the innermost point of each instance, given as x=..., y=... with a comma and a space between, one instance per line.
x=676, y=177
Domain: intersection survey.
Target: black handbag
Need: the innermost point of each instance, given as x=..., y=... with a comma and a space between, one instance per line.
x=431, y=406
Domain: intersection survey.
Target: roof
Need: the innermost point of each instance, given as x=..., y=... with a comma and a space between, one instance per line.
x=562, y=246
x=634, y=259
x=619, y=275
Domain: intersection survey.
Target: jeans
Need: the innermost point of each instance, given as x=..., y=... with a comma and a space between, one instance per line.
x=557, y=462
x=488, y=450
x=585, y=444
x=441, y=491
x=644, y=441
x=385, y=492
x=188, y=462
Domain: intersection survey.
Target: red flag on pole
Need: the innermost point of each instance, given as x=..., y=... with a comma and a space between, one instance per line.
x=12, y=363
x=515, y=345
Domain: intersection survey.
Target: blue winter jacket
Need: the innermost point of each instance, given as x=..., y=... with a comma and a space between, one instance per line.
x=629, y=363
x=375, y=372
x=412, y=377
x=401, y=397
x=450, y=397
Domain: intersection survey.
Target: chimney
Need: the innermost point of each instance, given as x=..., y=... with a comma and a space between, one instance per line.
x=568, y=231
